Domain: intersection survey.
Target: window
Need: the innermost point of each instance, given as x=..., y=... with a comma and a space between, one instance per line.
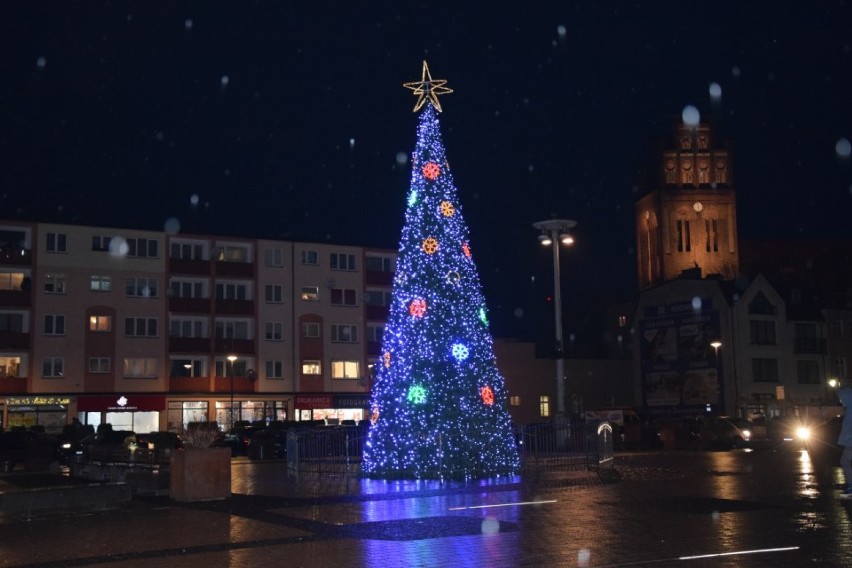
x=100, y=283
x=274, y=331
x=342, y=261
x=622, y=321
x=12, y=322
x=836, y=328
x=99, y=364
x=310, y=293
x=53, y=284
x=375, y=332
x=310, y=257
x=186, y=251
x=380, y=263
x=807, y=372
x=100, y=323
x=274, y=369
x=273, y=257
x=188, y=327
x=53, y=367
x=142, y=247
x=239, y=368
x=343, y=297
x=544, y=406
x=100, y=242
x=684, y=243
x=187, y=289
x=274, y=293
x=311, y=367
x=11, y=367
x=14, y=281
x=344, y=333
x=344, y=370
x=187, y=367
x=232, y=329
x=140, y=327
x=231, y=253
x=764, y=370
x=712, y=229
x=57, y=242
x=231, y=291
x=762, y=332
x=378, y=298
x=54, y=325
x=310, y=329
x=140, y=367
x=141, y=287
x=840, y=368
x=514, y=400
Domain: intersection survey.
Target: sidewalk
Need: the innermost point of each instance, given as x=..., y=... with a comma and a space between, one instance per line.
x=758, y=508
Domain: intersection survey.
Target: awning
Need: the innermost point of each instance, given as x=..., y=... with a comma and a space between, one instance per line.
x=121, y=403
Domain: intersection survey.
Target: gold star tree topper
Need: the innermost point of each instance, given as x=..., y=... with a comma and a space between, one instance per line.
x=428, y=88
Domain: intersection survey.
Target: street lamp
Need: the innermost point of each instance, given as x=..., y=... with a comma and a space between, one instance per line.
x=231, y=359
x=554, y=232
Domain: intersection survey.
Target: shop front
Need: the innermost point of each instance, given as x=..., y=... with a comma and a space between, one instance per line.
x=333, y=409
x=47, y=412
x=134, y=412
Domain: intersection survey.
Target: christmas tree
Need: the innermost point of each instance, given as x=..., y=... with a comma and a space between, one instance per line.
x=439, y=401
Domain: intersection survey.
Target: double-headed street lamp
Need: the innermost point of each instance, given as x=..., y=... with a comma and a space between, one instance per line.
x=555, y=232
x=231, y=359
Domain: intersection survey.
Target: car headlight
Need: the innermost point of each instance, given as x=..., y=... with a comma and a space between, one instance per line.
x=747, y=434
x=66, y=446
x=803, y=432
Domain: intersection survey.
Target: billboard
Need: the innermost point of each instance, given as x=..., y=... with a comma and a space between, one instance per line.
x=681, y=372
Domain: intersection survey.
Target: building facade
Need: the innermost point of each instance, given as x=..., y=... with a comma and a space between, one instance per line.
x=150, y=330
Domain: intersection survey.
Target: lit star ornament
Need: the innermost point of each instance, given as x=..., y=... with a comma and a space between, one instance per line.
x=428, y=88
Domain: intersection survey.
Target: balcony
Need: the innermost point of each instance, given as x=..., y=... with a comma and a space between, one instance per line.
x=190, y=305
x=189, y=344
x=241, y=384
x=189, y=384
x=14, y=340
x=377, y=313
x=186, y=266
x=13, y=385
x=15, y=256
x=235, y=307
x=235, y=269
x=374, y=278
x=809, y=345
x=238, y=346
x=15, y=298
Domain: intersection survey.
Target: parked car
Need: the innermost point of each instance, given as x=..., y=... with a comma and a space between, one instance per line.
x=237, y=439
x=19, y=446
x=269, y=443
x=159, y=440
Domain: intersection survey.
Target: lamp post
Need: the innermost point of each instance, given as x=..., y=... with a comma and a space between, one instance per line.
x=231, y=359
x=553, y=233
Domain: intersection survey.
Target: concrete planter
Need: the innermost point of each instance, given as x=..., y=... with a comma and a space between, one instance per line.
x=200, y=474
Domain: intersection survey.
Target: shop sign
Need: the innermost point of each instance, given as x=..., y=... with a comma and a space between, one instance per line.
x=37, y=401
x=119, y=403
x=352, y=401
x=313, y=402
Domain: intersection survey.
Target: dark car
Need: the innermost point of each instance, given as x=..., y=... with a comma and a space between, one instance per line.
x=237, y=439
x=34, y=449
x=159, y=440
x=270, y=443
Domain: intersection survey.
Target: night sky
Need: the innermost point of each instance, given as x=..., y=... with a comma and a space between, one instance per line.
x=289, y=120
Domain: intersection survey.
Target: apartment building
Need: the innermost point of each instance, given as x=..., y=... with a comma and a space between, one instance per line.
x=149, y=330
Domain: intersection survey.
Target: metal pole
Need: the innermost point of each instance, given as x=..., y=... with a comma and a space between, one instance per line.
x=232, y=395
x=557, y=308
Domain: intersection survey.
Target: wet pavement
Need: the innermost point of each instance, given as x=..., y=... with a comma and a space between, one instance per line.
x=690, y=509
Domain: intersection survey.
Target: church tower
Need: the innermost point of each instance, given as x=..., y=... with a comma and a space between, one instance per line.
x=689, y=220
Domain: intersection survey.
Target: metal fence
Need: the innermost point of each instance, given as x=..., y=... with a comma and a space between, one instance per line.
x=335, y=451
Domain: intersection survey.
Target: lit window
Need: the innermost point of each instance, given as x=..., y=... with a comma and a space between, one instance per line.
x=100, y=283
x=514, y=400
x=311, y=367
x=544, y=406
x=344, y=369
x=310, y=293
x=100, y=323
